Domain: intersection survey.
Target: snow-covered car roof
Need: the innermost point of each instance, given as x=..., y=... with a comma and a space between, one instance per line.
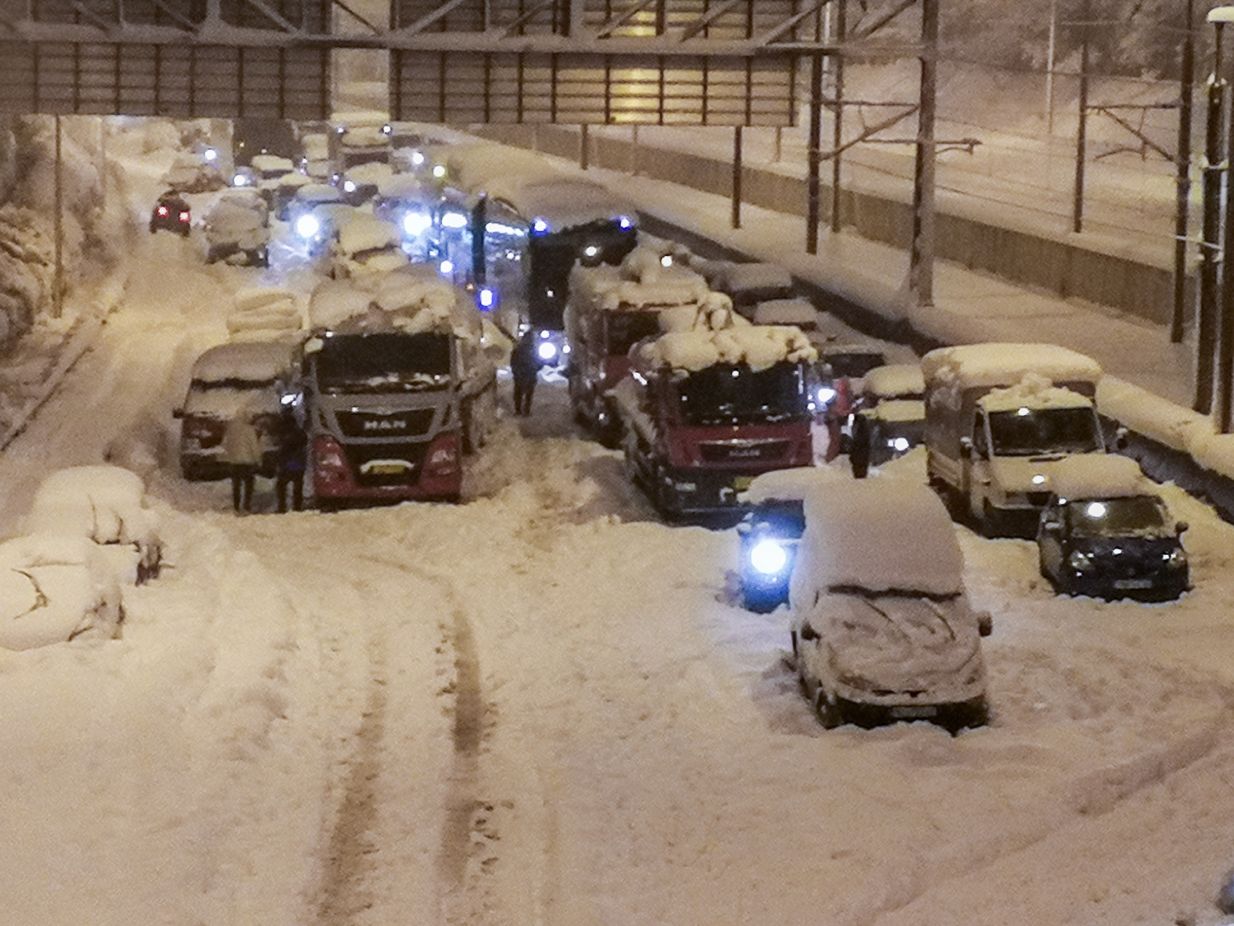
x=877, y=535
x=899, y=411
x=894, y=381
x=1003, y=364
x=236, y=212
x=401, y=186
x=365, y=232
x=409, y=302
x=365, y=136
x=54, y=588
x=373, y=172
x=347, y=118
x=293, y=180
x=418, y=299
x=1099, y=475
x=103, y=503
x=271, y=162
x=335, y=301
x=641, y=282
x=790, y=485
x=1033, y=392
x=835, y=349
x=247, y=362
x=799, y=312
x=736, y=278
x=758, y=347
x=319, y=193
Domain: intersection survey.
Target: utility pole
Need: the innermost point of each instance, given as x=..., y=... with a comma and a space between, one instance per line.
x=1182, y=219
x=737, y=158
x=814, y=153
x=1050, y=53
x=921, y=257
x=1225, y=328
x=1210, y=247
x=1081, y=137
x=837, y=133
x=58, y=276
x=584, y=147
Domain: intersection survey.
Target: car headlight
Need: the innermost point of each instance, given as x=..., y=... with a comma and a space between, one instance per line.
x=546, y=350
x=349, y=186
x=1175, y=559
x=898, y=444
x=308, y=226
x=768, y=557
x=415, y=224
x=826, y=395
x=1080, y=561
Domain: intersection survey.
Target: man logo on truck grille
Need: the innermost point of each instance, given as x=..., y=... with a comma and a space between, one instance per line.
x=385, y=424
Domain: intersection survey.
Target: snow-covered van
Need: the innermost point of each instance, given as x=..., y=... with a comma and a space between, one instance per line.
x=999, y=418
x=610, y=310
x=238, y=229
x=882, y=629
x=248, y=378
x=394, y=385
x=365, y=249
x=750, y=285
x=707, y=409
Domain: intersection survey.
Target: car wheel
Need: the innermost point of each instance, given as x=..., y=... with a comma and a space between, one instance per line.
x=826, y=711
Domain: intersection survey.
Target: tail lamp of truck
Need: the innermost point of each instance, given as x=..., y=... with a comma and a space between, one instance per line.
x=443, y=456
x=328, y=459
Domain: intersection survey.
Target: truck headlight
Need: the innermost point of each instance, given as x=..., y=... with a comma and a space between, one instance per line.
x=546, y=351
x=308, y=226
x=415, y=224
x=768, y=557
x=349, y=186
x=1080, y=561
x=826, y=395
x=1175, y=559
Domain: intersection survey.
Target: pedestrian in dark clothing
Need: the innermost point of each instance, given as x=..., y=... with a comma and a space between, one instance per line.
x=525, y=368
x=292, y=452
x=242, y=451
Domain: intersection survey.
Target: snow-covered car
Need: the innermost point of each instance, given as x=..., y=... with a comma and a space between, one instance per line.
x=106, y=505
x=249, y=378
x=882, y=629
x=361, y=183
x=283, y=192
x=238, y=229
x=265, y=313
x=55, y=588
x=890, y=417
x=408, y=203
x=749, y=285
x=191, y=173
x=769, y=534
x=315, y=156
x=270, y=168
x=365, y=249
x=1107, y=532
x=314, y=214
x=171, y=213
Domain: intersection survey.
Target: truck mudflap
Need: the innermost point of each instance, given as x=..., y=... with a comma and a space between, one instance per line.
x=423, y=471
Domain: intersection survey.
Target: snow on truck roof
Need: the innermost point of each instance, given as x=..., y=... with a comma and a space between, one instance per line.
x=1033, y=392
x=641, y=282
x=1099, y=475
x=411, y=302
x=256, y=361
x=1003, y=364
x=894, y=381
x=878, y=535
x=758, y=347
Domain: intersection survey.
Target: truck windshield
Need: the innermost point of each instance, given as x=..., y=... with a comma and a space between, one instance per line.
x=375, y=363
x=625, y=329
x=733, y=394
x=1117, y=517
x=1025, y=432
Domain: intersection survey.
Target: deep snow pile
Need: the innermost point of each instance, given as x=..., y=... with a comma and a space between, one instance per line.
x=758, y=347
x=265, y=313
x=26, y=270
x=894, y=381
x=991, y=364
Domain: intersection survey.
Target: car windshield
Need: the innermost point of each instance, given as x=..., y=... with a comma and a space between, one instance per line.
x=231, y=383
x=735, y=394
x=1117, y=517
x=625, y=329
x=1027, y=432
x=375, y=363
x=855, y=364
x=748, y=298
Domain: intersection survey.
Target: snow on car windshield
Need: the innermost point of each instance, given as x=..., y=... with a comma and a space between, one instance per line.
x=1027, y=431
x=1118, y=517
x=727, y=394
x=383, y=363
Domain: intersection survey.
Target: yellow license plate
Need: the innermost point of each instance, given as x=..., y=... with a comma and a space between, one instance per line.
x=741, y=483
x=387, y=469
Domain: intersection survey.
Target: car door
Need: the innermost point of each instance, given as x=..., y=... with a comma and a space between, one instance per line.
x=1050, y=537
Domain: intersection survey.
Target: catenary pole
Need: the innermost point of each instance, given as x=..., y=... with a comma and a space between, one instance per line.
x=921, y=257
x=1210, y=246
x=1182, y=220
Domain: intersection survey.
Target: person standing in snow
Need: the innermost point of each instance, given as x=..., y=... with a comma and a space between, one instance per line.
x=525, y=368
x=242, y=451
x=292, y=448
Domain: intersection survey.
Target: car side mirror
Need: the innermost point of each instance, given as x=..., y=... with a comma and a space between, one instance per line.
x=1051, y=527
x=1121, y=439
x=177, y=413
x=985, y=623
x=1181, y=527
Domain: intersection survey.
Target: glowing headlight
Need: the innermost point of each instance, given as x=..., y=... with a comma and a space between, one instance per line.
x=666, y=260
x=487, y=297
x=768, y=557
x=826, y=395
x=446, y=267
x=1038, y=480
x=591, y=251
x=899, y=444
x=547, y=350
x=239, y=180
x=308, y=226
x=539, y=226
x=625, y=222
x=415, y=224
x=454, y=220
x=210, y=155
x=349, y=186
x=1080, y=561
x=1175, y=559
x=417, y=159
x=439, y=171
x=387, y=129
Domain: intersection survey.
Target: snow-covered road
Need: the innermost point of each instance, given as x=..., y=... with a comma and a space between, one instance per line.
x=540, y=707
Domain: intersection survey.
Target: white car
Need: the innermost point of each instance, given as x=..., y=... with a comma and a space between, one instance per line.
x=882, y=629
x=55, y=588
x=238, y=229
x=191, y=173
x=365, y=249
x=107, y=506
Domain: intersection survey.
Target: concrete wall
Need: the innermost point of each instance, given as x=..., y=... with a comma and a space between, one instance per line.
x=1056, y=266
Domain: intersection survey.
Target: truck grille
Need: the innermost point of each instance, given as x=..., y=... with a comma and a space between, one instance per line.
x=407, y=423
x=742, y=451
x=385, y=464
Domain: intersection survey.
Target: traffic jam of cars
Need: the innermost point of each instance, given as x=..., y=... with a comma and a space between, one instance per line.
x=732, y=400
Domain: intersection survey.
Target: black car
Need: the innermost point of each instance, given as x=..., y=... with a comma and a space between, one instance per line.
x=171, y=213
x=1124, y=546
x=769, y=535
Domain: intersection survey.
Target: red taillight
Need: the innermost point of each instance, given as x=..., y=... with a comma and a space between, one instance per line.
x=184, y=217
x=328, y=456
x=163, y=211
x=443, y=456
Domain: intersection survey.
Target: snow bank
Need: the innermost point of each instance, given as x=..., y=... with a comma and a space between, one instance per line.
x=791, y=484
x=1000, y=364
x=878, y=535
x=1096, y=475
x=26, y=270
x=55, y=588
x=264, y=313
x=255, y=362
x=758, y=347
x=799, y=312
x=105, y=504
x=363, y=232
x=894, y=381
